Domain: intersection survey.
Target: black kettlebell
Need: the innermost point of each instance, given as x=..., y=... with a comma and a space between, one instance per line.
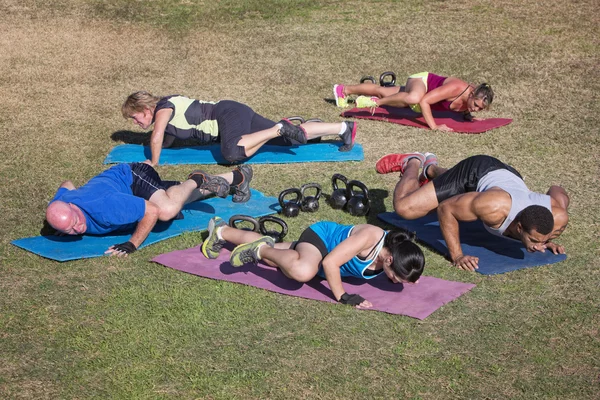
x=290, y=208
x=367, y=78
x=383, y=81
x=237, y=220
x=358, y=202
x=279, y=233
x=338, y=197
x=310, y=203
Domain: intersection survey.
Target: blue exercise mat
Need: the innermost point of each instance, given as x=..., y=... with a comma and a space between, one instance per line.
x=195, y=218
x=496, y=255
x=211, y=154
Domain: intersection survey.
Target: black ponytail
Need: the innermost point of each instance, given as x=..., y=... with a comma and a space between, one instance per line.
x=409, y=260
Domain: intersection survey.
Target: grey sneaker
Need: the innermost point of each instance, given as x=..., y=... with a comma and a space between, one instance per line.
x=349, y=136
x=292, y=131
x=241, y=191
x=213, y=245
x=248, y=253
x=214, y=184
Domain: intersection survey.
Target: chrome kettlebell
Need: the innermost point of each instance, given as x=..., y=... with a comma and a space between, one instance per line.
x=358, y=202
x=278, y=233
x=310, y=203
x=338, y=197
x=290, y=208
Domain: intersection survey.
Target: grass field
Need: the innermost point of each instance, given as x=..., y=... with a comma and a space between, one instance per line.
x=128, y=328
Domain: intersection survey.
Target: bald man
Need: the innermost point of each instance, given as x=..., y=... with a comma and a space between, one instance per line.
x=133, y=196
x=479, y=187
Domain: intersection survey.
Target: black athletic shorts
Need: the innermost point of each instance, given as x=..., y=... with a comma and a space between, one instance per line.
x=309, y=236
x=465, y=175
x=236, y=120
x=146, y=181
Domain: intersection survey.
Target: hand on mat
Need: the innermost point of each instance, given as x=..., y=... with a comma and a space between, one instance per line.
x=149, y=162
x=555, y=248
x=355, y=300
x=444, y=128
x=466, y=263
x=121, y=249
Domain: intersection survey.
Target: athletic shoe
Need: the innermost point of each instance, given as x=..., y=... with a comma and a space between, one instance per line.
x=348, y=136
x=430, y=159
x=212, y=245
x=340, y=97
x=241, y=191
x=214, y=184
x=248, y=253
x=366, y=102
x=396, y=162
x=292, y=131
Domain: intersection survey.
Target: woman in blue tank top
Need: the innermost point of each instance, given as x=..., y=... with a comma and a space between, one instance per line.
x=327, y=249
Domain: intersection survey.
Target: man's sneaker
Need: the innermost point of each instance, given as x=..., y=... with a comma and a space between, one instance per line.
x=241, y=191
x=340, y=97
x=430, y=159
x=348, y=136
x=212, y=245
x=214, y=184
x=396, y=162
x=366, y=102
x=248, y=253
x=295, y=132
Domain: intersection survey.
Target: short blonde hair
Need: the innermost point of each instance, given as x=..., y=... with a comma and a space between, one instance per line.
x=138, y=102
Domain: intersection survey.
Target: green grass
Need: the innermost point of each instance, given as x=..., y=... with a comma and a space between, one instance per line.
x=128, y=328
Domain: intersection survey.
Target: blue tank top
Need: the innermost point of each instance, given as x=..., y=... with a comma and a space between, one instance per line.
x=332, y=234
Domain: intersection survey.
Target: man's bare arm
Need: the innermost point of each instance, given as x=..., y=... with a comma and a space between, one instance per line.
x=142, y=230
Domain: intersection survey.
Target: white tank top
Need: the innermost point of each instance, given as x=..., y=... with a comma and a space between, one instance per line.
x=521, y=196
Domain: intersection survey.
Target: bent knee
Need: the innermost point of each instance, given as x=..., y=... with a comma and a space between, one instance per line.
x=302, y=273
x=413, y=98
x=406, y=210
x=168, y=212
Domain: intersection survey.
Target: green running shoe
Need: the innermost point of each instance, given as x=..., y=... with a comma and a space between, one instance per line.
x=213, y=245
x=366, y=102
x=248, y=253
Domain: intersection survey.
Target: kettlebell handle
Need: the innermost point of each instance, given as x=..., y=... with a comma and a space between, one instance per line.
x=338, y=178
x=357, y=184
x=367, y=78
x=296, y=118
x=290, y=191
x=233, y=221
x=391, y=82
x=307, y=186
x=269, y=218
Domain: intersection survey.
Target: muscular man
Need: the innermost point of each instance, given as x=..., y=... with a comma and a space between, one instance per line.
x=479, y=187
x=133, y=196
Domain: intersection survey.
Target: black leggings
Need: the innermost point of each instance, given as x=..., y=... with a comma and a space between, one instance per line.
x=236, y=120
x=465, y=175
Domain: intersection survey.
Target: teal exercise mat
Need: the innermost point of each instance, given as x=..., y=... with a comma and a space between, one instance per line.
x=195, y=218
x=211, y=154
x=496, y=255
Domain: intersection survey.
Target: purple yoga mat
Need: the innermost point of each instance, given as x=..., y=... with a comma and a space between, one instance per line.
x=417, y=301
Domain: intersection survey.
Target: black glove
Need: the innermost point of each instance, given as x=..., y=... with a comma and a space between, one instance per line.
x=351, y=299
x=126, y=247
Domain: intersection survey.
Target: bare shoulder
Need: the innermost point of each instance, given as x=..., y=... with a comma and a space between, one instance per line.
x=492, y=206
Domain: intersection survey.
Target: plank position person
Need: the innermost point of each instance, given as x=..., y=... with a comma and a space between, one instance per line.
x=327, y=249
x=423, y=93
x=239, y=129
x=479, y=187
x=130, y=194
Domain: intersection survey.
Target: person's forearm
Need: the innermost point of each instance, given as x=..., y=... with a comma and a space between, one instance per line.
x=334, y=278
x=155, y=149
x=449, y=227
x=426, y=111
x=144, y=227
